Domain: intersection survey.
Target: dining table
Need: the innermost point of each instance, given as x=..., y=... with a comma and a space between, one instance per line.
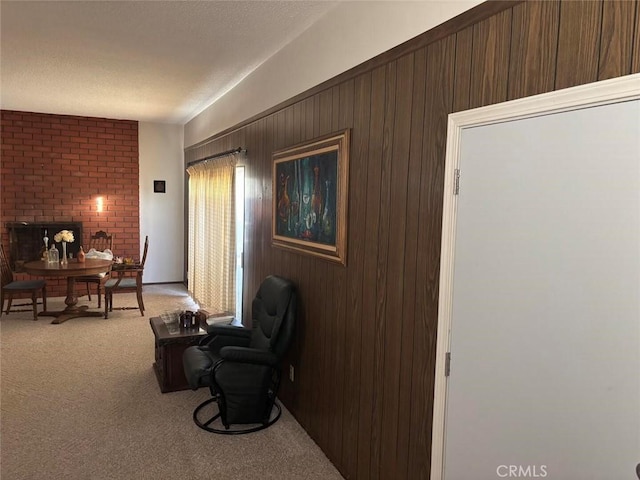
x=70, y=271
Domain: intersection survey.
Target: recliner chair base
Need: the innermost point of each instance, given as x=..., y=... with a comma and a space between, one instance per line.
x=227, y=429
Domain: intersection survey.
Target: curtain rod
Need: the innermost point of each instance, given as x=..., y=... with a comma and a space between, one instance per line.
x=217, y=155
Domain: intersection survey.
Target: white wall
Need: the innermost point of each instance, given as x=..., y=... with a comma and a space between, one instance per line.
x=161, y=214
x=348, y=35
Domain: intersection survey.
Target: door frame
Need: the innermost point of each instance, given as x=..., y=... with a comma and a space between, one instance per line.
x=616, y=90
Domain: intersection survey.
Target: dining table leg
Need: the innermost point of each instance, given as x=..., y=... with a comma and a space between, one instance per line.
x=73, y=310
x=72, y=299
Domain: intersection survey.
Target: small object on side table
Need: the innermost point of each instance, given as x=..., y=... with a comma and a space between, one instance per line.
x=187, y=320
x=204, y=318
x=201, y=318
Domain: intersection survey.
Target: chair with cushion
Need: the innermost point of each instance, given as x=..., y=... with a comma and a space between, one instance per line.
x=241, y=367
x=125, y=278
x=100, y=241
x=10, y=287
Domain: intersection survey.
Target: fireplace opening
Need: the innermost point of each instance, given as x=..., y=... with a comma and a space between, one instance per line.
x=26, y=240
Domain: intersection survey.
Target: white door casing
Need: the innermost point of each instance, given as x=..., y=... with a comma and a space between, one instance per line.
x=577, y=98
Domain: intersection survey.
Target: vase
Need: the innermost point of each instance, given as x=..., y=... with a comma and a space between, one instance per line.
x=45, y=249
x=63, y=260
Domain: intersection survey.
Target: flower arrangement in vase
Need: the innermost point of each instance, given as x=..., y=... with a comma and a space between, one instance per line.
x=64, y=236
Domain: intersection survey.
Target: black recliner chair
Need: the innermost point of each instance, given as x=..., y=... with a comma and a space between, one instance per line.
x=241, y=366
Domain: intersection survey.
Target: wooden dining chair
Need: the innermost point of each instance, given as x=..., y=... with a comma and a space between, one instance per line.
x=11, y=287
x=99, y=241
x=126, y=278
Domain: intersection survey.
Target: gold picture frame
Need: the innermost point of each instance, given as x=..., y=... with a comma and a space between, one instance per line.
x=310, y=197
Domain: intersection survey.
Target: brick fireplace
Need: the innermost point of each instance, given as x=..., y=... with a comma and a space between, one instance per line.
x=56, y=167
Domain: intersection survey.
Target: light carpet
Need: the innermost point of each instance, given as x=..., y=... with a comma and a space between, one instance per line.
x=80, y=401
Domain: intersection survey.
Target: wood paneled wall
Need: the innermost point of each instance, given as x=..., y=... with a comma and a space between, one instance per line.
x=364, y=356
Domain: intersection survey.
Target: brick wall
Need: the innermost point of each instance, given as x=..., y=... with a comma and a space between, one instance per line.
x=54, y=167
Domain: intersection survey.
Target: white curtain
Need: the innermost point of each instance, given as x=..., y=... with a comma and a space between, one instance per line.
x=212, y=246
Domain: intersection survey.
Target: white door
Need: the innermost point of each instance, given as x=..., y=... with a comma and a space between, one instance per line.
x=545, y=315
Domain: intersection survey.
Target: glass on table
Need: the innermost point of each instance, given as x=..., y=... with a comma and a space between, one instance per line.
x=170, y=319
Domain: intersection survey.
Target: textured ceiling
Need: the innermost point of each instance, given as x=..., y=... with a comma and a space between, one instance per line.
x=157, y=61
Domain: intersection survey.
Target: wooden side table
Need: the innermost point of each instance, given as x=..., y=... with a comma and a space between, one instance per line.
x=169, y=350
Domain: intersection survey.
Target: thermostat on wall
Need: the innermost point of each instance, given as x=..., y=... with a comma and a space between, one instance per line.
x=159, y=186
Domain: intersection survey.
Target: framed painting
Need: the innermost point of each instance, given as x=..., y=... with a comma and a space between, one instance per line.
x=310, y=188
